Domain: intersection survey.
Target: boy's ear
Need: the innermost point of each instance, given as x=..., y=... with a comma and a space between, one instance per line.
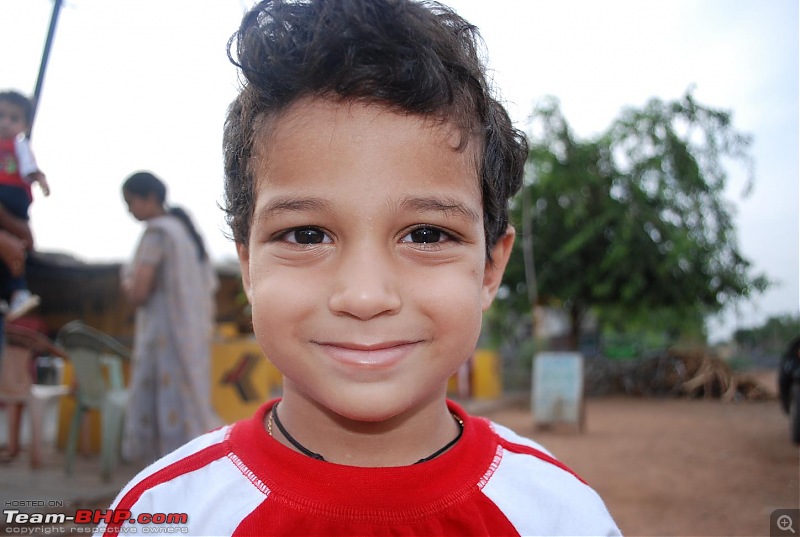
x=244, y=264
x=493, y=273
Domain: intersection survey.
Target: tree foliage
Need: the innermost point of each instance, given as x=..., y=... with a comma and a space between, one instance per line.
x=772, y=337
x=633, y=221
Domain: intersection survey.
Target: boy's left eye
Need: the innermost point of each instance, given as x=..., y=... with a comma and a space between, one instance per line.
x=306, y=235
x=425, y=235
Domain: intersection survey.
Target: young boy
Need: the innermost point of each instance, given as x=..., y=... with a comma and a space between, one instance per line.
x=18, y=170
x=368, y=171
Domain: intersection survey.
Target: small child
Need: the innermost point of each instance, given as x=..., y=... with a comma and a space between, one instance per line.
x=18, y=170
x=368, y=173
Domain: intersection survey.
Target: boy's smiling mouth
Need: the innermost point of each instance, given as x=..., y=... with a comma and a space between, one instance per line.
x=371, y=355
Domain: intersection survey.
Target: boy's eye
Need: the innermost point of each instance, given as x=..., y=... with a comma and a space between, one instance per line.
x=306, y=235
x=425, y=235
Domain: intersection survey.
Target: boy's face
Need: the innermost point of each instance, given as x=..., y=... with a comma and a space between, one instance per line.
x=12, y=120
x=366, y=266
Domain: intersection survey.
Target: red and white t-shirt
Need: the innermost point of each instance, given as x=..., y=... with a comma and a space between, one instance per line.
x=238, y=480
x=16, y=163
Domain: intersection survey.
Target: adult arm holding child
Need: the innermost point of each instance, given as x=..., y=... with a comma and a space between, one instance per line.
x=16, y=227
x=12, y=252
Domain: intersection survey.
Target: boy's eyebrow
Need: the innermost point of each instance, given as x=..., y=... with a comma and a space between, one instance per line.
x=440, y=204
x=292, y=203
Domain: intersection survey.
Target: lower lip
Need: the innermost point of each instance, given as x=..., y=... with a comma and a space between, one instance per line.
x=369, y=359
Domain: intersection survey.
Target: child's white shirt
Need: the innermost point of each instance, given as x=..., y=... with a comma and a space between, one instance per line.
x=25, y=159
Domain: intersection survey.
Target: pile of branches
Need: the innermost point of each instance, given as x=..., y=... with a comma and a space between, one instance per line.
x=672, y=373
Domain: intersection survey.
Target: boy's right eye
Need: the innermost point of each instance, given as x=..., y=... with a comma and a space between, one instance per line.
x=305, y=235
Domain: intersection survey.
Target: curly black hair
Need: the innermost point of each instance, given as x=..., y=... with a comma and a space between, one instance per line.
x=414, y=57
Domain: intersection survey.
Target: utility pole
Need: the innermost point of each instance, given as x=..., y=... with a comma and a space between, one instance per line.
x=45, y=56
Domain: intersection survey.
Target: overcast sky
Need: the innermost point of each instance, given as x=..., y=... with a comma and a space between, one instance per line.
x=144, y=84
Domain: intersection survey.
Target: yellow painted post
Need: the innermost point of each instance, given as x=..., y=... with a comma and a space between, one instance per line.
x=242, y=379
x=487, y=380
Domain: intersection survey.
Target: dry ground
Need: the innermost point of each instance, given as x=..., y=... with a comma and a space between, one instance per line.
x=678, y=466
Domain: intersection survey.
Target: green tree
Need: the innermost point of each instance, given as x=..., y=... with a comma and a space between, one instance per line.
x=634, y=221
x=772, y=337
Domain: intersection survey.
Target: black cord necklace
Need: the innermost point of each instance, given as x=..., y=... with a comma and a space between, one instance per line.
x=273, y=415
x=290, y=438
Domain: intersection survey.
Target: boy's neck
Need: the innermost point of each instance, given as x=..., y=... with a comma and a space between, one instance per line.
x=399, y=441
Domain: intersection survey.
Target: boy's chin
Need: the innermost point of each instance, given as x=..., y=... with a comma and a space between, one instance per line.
x=378, y=400
x=377, y=405
x=376, y=410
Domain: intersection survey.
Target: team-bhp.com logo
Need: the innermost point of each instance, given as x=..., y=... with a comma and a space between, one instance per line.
x=18, y=522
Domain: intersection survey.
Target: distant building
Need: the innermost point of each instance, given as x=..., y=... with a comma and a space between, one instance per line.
x=72, y=289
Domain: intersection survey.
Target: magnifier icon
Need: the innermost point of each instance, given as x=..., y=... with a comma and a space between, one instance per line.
x=784, y=523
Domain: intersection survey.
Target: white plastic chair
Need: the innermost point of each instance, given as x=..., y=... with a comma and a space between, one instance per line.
x=18, y=388
x=98, y=370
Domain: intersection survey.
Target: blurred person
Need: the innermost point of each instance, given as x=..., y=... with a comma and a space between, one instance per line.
x=12, y=254
x=14, y=239
x=171, y=283
x=789, y=368
x=18, y=171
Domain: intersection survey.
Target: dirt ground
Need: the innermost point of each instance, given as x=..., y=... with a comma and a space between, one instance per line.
x=679, y=466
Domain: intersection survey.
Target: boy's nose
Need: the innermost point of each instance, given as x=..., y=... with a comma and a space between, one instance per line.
x=366, y=286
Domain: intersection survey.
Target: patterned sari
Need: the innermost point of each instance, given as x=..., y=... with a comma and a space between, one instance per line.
x=170, y=382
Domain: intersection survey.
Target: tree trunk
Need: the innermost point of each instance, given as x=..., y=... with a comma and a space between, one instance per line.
x=575, y=323
x=528, y=255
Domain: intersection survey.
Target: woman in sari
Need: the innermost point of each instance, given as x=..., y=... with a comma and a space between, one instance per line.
x=171, y=283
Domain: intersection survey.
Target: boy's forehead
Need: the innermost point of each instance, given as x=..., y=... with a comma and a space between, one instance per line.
x=328, y=147
x=330, y=113
x=337, y=115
